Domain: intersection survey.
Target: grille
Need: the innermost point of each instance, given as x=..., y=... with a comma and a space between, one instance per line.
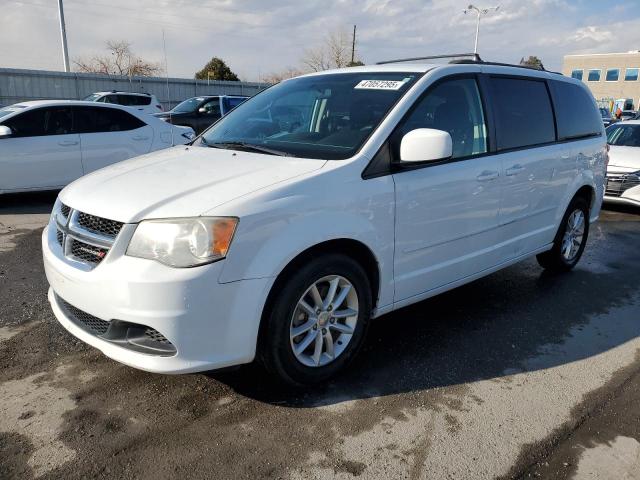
x=100, y=225
x=617, y=184
x=87, y=253
x=94, y=324
x=64, y=210
x=155, y=336
x=59, y=237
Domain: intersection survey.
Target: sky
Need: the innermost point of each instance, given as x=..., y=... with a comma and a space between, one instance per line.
x=260, y=37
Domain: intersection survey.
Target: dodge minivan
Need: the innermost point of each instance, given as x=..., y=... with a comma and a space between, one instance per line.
x=321, y=203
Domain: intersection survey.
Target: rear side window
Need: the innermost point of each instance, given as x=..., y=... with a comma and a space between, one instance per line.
x=40, y=122
x=523, y=112
x=96, y=119
x=576, y=111
x=231, y=103
x=137, y=100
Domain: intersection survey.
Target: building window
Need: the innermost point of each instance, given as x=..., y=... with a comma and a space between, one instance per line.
x=613, y=74
x=631, y=75
x=576, y=74
x=594, y=76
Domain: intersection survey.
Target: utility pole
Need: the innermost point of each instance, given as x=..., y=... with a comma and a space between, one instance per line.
x=479, y=12
x=353, y=46
x=63, y=34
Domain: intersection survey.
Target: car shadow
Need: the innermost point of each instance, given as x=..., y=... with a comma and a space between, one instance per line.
x=27, y=203
x=517, y=320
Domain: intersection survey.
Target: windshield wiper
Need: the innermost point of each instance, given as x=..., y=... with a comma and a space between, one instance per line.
x=247, y=147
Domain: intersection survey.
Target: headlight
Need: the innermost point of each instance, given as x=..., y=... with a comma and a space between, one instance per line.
x=183, y=242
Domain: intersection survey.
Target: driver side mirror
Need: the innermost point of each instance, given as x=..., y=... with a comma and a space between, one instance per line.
x=5, y=131
x=426, y=145
x=202, y=110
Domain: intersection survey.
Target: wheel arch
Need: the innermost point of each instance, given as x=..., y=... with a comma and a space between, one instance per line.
x=353, y=248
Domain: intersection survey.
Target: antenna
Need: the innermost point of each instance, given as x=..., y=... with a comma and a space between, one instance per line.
x=166, y=72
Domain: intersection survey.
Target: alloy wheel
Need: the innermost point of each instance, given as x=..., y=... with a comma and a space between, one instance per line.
x=324, y=321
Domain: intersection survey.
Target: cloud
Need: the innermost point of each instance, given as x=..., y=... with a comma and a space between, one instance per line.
x=256, y=37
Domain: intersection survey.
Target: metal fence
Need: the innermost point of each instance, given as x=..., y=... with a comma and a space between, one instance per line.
x=23, y=85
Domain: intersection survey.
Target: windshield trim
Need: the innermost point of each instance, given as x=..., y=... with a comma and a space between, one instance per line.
x=418, y=77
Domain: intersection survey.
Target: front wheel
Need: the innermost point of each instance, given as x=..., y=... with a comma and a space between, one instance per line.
x=318, y=320
x=570, y=239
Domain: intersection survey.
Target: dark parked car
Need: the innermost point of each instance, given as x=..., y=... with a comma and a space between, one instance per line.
x=607, y=118
x=628, y=115
x=200, y=112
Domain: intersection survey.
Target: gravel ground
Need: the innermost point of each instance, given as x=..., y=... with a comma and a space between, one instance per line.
x=520, y=374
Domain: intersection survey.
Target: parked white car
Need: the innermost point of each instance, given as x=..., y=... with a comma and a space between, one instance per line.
x=623, y=172
x=320, y=203
x=47, y=144
x=143, y=102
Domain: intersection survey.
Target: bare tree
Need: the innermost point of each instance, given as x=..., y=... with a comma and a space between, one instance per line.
x=335, y=52
x=119, y=60
x=277, y=77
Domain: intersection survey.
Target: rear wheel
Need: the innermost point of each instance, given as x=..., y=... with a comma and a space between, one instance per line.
x=318, y=320
x=570, y=240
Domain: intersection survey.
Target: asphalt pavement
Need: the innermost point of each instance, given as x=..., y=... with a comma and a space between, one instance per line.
x=520, y=374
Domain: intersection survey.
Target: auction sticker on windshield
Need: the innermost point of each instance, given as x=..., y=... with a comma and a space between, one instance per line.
x=381, y=84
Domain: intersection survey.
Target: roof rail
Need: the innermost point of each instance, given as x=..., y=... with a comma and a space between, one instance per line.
x=500, y=64
x=475, y=56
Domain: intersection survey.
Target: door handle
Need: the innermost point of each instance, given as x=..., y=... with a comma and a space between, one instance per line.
x=516, y=169
x=139, y=138
x=68, y=143
x=487, y=175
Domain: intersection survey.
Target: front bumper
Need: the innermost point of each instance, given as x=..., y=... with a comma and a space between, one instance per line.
x=211, y=324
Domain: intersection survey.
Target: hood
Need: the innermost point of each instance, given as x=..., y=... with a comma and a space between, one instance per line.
x=179, y=182
x=625, y=159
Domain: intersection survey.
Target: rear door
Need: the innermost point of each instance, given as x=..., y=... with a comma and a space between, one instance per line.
x=446, y=212
x=43, y=151
x=536, y=168
x=109, y=135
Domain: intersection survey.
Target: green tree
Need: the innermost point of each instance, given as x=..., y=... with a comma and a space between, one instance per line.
x=216, y=69
x=532, y=61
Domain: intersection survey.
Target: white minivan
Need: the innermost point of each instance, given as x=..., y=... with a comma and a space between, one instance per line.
x=319, y=204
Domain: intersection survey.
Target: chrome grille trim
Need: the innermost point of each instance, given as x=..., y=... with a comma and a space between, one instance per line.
x=85, y=246
x=618, y=183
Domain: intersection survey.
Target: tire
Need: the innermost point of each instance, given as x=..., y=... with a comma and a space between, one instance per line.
x=278, y=339
x=560, y=258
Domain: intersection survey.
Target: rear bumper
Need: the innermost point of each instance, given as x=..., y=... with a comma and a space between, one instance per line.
x=212, y=325
x=622, y=201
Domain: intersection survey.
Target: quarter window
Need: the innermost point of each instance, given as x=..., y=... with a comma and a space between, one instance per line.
x=577, y=74
x=96, y=119
x=613, y=74
x=575, y=111
x=631, y=75
x=40, y=122
x=594, y=76
x=523, y=112
x=455, y=107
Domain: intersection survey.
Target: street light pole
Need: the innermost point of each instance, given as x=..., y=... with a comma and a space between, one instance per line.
x=63, y=34
x=479, y=12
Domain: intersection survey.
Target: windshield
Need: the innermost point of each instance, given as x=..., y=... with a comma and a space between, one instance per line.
x=326, y=117
x=93, y=97
x=188, y=106
x=9, y=110
x=624, y=135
